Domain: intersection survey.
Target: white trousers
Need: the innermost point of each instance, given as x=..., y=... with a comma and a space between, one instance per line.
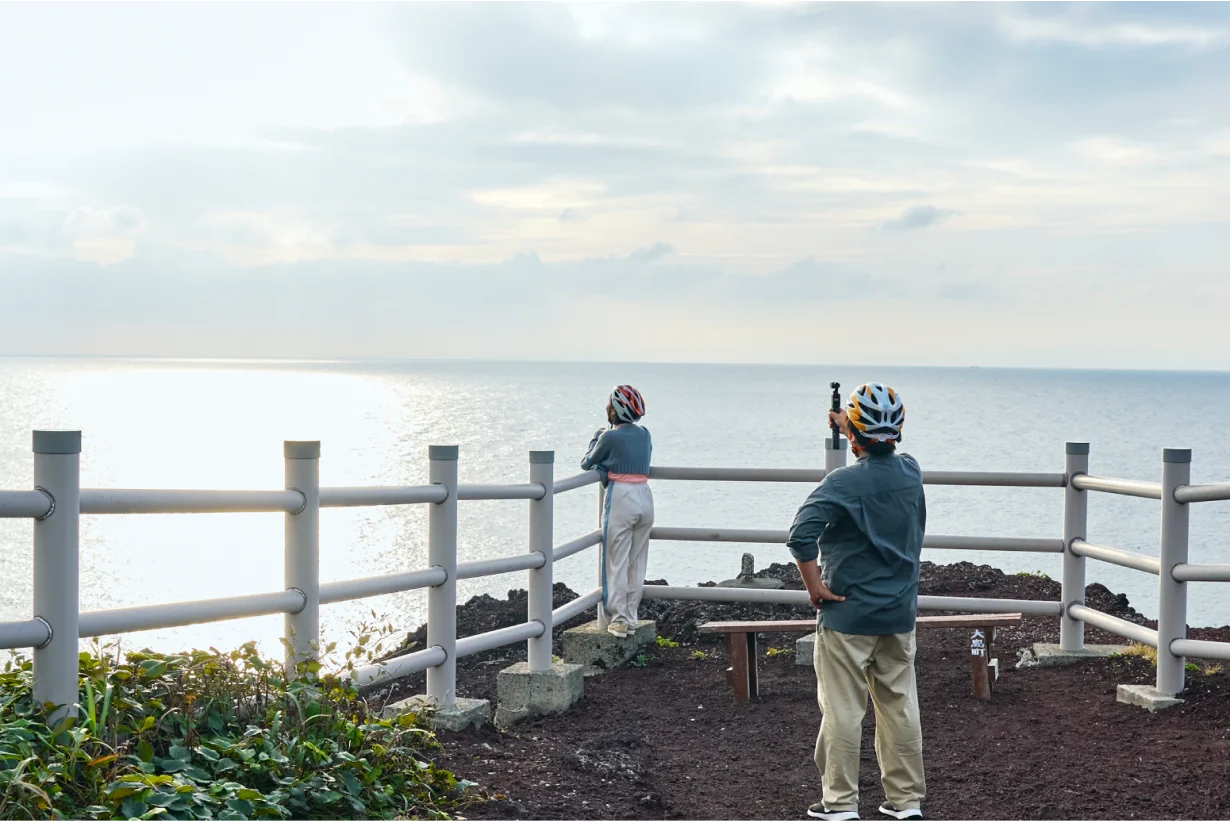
x=626, y=519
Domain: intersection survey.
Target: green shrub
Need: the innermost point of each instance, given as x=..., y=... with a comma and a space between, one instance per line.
x=663, y=641
x=213, y=735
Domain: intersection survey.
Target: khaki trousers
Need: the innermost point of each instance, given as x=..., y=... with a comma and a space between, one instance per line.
x=848, y=667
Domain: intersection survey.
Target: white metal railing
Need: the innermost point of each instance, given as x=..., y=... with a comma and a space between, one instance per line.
x=57, y=502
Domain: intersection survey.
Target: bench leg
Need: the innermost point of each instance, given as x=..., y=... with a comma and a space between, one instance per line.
x=753, y=680
x=741, y=673
x=979, y=655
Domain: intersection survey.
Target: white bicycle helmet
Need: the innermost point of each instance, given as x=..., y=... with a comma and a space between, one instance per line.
x=876, y=411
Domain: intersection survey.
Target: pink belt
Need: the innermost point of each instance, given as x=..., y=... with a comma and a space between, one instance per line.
x=628, y=478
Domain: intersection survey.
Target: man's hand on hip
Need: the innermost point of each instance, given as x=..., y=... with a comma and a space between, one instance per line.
x=822, y=594
x=817, y=590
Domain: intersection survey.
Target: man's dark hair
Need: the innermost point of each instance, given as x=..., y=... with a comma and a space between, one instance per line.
x=871, y=447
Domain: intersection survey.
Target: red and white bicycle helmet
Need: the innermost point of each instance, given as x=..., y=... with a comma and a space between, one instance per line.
x=628, y=403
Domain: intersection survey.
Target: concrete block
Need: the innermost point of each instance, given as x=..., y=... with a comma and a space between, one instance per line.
x=521, y=693
x=465, y=713
x=1052, y=655
x=804, y=650
x=1145, y=695
x=597, y=650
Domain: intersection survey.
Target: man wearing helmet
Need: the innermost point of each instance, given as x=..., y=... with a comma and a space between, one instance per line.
x=857, y=541
x=621, y=454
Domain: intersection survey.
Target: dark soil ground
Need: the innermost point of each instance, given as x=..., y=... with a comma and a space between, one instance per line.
x=667, y=740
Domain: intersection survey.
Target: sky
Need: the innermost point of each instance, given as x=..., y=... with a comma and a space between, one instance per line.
x=850, y=183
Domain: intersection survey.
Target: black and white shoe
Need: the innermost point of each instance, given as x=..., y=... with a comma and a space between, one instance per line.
x=892, y=812
x=820, y=811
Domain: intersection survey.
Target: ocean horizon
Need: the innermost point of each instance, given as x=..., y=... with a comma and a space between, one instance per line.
x=151, y=422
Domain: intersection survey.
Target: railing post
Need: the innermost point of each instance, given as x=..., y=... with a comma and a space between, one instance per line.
x=1075, y=524
x=301, y=631
x=835, y=457
x=57, y=472
x=1172, y=595
x=541, y=581
x=442, y=599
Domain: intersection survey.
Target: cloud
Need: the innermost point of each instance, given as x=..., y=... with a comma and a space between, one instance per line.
x=923, y=216
x=809, y=280
x=480, y=161
x=964, y=291
x=656, y=251
x=1101, y=34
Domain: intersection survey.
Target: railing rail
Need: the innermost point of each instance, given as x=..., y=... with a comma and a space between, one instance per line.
x=1113, y=555
x=56, y=503
x=1120, y=487
x=934, y=542
x=1188, y=494
x=1114, y=624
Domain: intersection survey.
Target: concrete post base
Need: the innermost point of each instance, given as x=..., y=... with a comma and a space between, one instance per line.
x=465, y=713
x=804, y=650
x=1052, y=655
x=521, y=694
x=1146, y=696
x=596, y=650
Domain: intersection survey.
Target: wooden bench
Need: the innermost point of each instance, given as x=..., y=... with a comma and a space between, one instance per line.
x=740, y=638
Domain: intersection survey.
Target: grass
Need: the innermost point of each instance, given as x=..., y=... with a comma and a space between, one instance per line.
x=1138, y=650
x=206, y=734
x=1149, y=654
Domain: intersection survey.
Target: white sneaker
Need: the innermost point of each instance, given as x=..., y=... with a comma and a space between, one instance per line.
x=618, y=629
x=888, y=809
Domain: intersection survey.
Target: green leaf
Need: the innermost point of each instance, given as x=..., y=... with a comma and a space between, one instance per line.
x=172, y=765
x=162, y=799
x=244, y=808
x=225, y=765
x=250, y=795
x=196, y=773
x=144, y=751
x=133, y=807
x=180, y=752
x=153, y=668
x=207, y=753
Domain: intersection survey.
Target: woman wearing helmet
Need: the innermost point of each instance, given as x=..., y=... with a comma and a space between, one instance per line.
x=621, y=453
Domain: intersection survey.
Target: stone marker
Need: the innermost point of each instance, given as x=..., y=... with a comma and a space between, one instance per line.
x=747, y=577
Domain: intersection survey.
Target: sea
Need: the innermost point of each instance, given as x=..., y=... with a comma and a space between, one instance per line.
x=162, y=423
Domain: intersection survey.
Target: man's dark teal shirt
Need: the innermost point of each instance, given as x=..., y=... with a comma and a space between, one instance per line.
x=865, y=524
